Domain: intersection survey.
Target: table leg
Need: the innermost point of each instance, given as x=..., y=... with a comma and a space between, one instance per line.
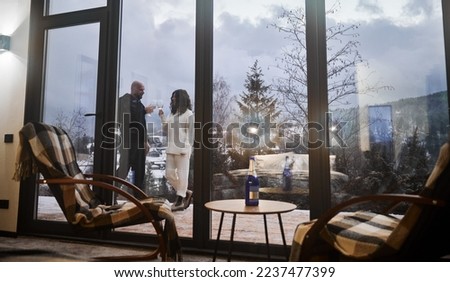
x=282, y=236
x=233, y=224
x=267, y=237
x=218, y=237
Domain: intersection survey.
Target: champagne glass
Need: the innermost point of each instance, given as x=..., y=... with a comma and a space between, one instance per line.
x=159, y=105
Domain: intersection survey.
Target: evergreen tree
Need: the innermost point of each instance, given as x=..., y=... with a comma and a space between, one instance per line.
x=257, y=103
x=412, y=164
x=257, y=107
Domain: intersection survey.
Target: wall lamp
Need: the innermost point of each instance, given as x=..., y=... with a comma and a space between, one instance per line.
x=5, y=42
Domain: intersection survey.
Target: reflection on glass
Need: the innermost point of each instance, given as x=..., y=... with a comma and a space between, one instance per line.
x=386, y=91
x=251, y=116
x=70, y=95
x=65, y=6
x=387, y=94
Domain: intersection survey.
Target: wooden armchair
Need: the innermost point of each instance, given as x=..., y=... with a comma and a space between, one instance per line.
x=421, y=234
x=48, y=150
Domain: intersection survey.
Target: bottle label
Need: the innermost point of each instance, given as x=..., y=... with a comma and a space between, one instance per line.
x=254, y=193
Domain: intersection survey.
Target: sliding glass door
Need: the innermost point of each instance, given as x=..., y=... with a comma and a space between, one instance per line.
x=69, y=97
x=68, y=87
x=157, y=47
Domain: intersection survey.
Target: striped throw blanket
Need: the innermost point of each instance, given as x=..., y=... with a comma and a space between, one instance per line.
x=48, y=150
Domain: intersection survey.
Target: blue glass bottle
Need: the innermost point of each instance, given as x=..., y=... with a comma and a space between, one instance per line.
x=252, y=185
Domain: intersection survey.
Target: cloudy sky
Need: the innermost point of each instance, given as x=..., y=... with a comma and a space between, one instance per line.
x=401, y=40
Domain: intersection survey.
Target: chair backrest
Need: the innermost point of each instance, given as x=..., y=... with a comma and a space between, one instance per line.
x=49, y=149
x=430, y=236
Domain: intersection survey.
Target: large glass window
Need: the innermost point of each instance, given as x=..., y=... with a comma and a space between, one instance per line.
x=70, y=97
x=387, y=93
x=251, y=117
x=157, y=49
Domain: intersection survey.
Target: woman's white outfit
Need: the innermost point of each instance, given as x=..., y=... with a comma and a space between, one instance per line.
x=180, y=139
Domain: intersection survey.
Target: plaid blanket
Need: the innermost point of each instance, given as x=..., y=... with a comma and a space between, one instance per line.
x=364, y=235
x=47, y=149
x=356, y=235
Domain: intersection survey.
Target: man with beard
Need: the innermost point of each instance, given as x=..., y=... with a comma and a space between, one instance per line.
x=133, y=145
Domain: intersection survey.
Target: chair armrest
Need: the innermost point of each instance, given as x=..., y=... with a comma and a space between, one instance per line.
x=106, y=186
x=103, y=177
x=313, y=233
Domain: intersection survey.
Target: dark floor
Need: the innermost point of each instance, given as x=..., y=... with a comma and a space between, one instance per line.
x=33, y=249
x=249, y=228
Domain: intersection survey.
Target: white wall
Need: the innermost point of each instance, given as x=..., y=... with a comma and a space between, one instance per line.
x=14, y=21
